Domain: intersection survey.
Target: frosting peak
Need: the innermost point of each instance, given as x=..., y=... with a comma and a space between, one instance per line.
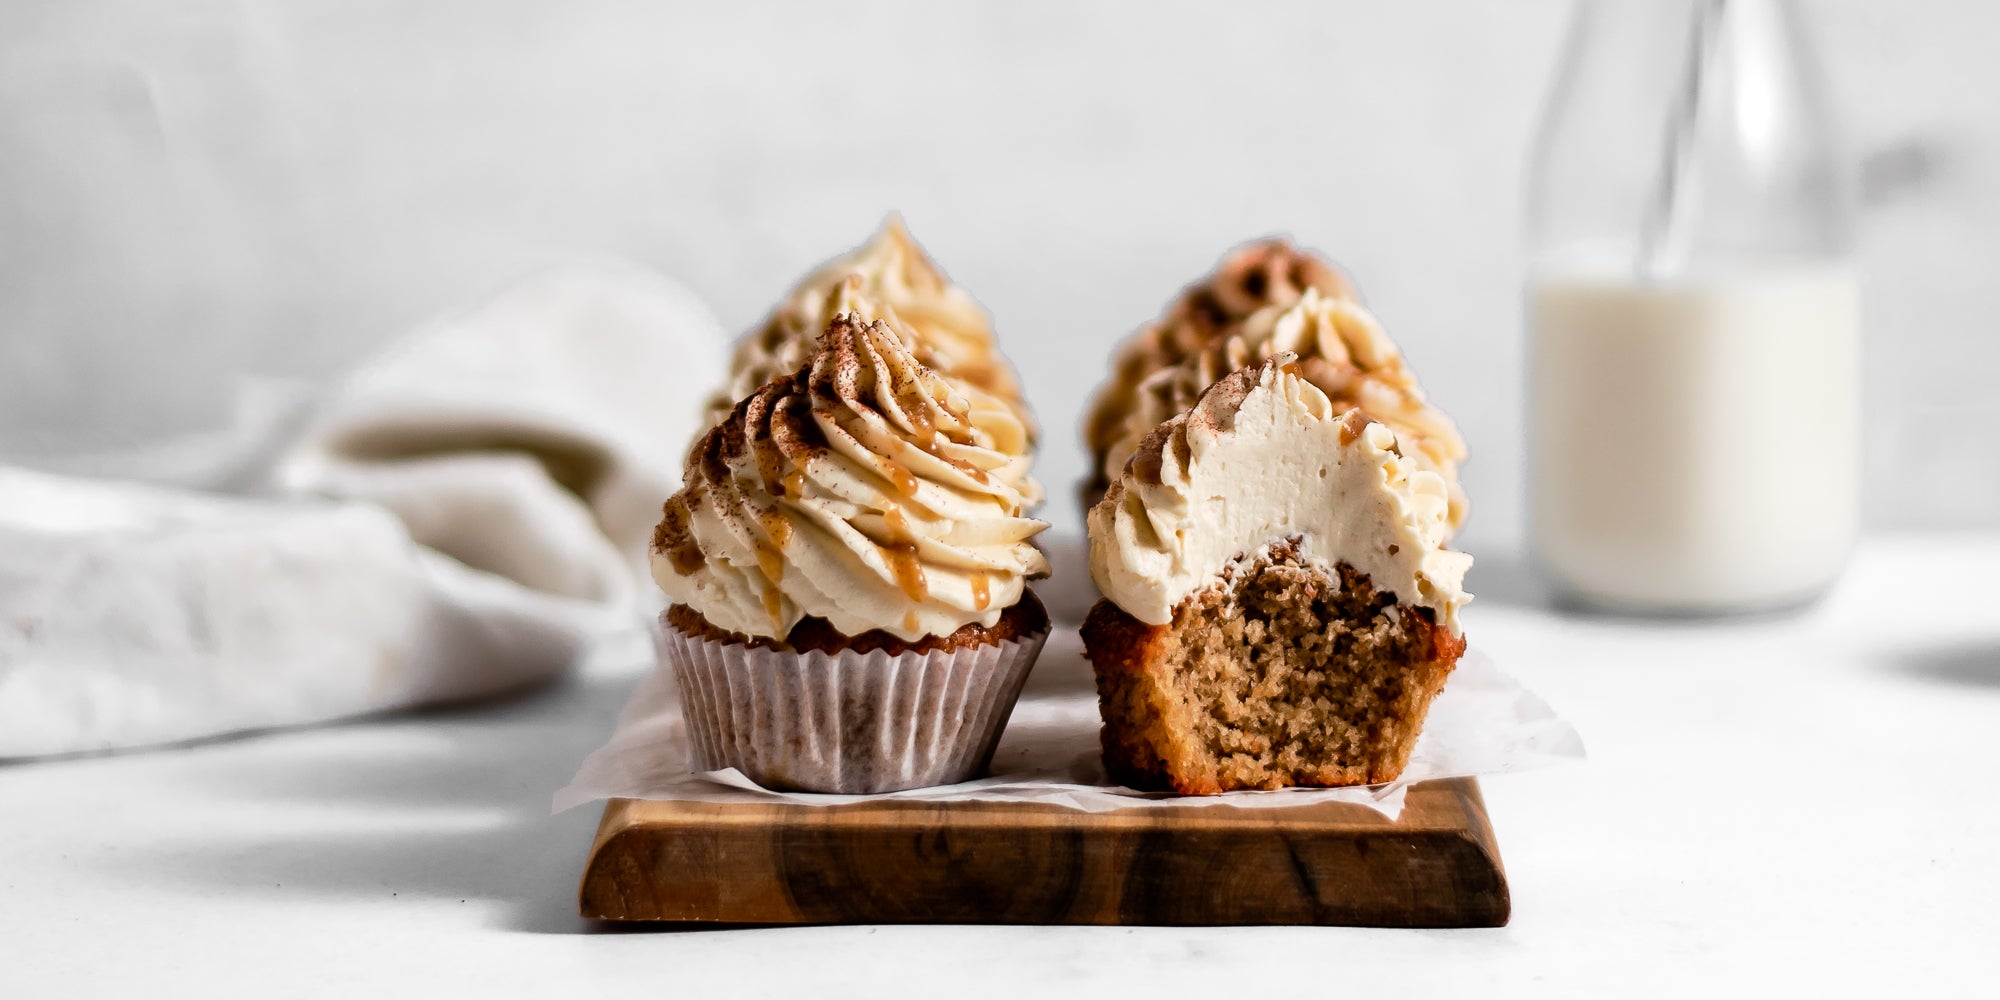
x=1260, y=278
x=863, y=488
x=889, y=277
x=1341, y=349
x=1262, y=457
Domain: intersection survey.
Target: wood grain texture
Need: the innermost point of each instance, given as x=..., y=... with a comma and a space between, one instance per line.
x=980, y=862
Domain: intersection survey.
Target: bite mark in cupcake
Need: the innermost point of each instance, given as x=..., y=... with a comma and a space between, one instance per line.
x=1265, y=299
x=1280, y=607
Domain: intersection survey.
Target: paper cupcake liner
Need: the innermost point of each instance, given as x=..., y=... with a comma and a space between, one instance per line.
x=846, y=722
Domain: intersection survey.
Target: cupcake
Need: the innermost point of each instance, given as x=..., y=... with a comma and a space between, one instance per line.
x=890, y=276
x=847, y=562
x=1279, y=605
x=1265, y=299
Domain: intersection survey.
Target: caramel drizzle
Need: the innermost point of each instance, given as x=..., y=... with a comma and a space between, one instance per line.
x=902, y=477
x=937, y=422
x=916, y=409
x=771, y=559
x=908, y=571
x=901, y=552
x=777, y=527
x=1351, y=426
x=899, y=524
x=774, y=599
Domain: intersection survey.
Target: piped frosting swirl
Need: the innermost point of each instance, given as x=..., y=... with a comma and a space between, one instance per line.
x=863, y=488
x=1264, y=456
x=1340, y=349
x=1260, y=279
x=890, y=276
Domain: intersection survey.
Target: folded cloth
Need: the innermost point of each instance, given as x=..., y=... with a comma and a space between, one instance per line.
x=458, y=517
x=534, y=437
x=132, y=615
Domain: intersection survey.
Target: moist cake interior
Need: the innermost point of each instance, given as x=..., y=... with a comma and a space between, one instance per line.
x=1282, y=673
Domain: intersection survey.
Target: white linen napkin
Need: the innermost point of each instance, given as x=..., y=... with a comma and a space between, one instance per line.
x=458, y=517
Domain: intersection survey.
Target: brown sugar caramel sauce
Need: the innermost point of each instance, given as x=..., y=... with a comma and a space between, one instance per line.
x=904, y=480
x=908, y=571
x=899, y=525
x=916, y=411
x=900, y=553
x=931, y=418
x=1351, y=427
x=771, y=558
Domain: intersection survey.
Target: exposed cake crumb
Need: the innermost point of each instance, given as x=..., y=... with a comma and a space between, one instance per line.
x=1281, y=673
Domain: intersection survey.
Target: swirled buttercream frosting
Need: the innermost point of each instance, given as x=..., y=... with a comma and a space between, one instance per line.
x=1258, y=279
x=863, y=488
x=1340, y=349
x=1264, y=457
x=889, y=276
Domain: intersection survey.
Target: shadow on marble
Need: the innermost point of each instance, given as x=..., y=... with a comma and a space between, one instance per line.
x=442, y=805
x=1968, y=664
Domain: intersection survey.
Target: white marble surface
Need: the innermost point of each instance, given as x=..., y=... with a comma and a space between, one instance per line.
x=197, y=190
x=1795, y=807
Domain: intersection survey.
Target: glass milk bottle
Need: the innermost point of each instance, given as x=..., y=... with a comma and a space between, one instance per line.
x=1694, y=332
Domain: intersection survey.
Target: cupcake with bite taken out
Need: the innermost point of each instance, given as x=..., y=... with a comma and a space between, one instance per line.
x=1280, y=605
x=847, y=562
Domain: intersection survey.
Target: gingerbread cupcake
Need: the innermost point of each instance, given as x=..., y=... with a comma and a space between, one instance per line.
x=848, y=562
x=1280, y=607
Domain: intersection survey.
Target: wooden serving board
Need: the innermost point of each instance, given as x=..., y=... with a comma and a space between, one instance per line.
x=1031, y=863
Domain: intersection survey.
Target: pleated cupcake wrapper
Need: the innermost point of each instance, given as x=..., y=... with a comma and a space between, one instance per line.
x=846, y=722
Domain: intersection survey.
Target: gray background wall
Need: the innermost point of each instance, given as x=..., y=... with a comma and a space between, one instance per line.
x=196, y=190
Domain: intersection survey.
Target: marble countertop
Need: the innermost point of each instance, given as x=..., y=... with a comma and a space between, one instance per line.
x=1799, y=806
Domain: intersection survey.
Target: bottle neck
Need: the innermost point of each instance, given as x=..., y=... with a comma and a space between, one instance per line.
x=1683, y=131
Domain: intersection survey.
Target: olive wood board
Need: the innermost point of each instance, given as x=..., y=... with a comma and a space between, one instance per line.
x=903, y=861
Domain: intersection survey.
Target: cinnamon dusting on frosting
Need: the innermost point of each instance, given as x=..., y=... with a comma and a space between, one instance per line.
x=1341, y=349
x=1252, y=279
x=862, y=488
x=890, y=277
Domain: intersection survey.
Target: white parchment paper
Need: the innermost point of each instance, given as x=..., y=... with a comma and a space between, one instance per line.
x=1484, y=722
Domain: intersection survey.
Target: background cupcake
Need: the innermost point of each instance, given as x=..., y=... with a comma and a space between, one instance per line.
x=1341, y=349
x=1260, y=278
x=848, y=561
x=889, y=276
